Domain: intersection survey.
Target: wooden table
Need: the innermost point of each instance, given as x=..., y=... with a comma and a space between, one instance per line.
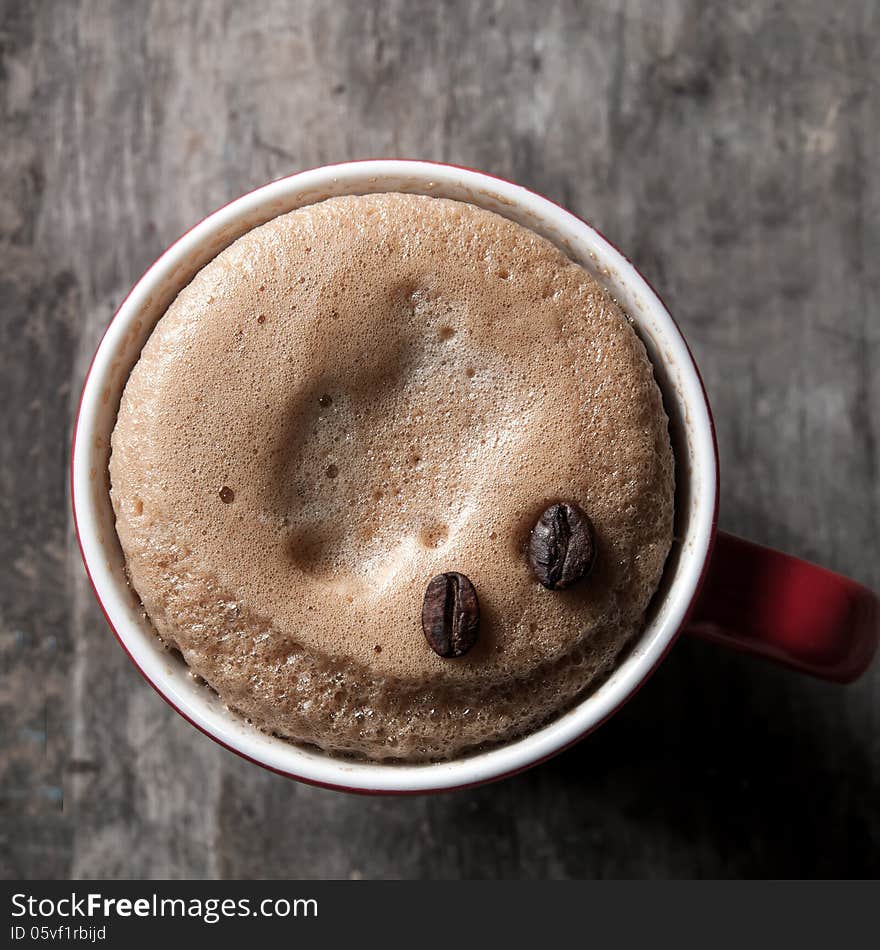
x=731, y=148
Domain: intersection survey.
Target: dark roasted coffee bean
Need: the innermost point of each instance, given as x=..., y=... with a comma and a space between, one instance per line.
x=450, y=614
x=562, y=549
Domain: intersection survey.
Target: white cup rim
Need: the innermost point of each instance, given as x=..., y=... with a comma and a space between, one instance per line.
x=105, y=380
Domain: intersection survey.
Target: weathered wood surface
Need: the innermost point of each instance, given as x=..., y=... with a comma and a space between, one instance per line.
x=731, y=148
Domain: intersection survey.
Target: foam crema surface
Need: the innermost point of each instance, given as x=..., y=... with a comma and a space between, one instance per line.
x=351, y=399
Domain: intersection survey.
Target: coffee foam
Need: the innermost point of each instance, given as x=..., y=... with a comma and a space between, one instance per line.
x=390, y=386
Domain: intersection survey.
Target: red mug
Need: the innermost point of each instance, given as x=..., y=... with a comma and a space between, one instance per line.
x=715, y=585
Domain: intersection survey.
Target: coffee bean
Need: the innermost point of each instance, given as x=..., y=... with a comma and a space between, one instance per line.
x=450, y=614
x=562, y=549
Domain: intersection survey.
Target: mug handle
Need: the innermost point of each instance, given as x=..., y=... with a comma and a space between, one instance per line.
x=764, y=602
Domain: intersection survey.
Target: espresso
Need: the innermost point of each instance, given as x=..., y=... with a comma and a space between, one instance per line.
x=360, y=396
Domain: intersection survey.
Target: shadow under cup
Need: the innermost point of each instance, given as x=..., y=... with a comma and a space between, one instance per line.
x=684, y=399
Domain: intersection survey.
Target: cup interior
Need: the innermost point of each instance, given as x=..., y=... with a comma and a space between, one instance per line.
x=684, y=399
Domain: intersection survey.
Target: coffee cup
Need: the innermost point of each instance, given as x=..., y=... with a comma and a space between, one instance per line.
x=716, y=586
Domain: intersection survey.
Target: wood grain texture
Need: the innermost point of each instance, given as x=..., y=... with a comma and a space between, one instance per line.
x=729, y=147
